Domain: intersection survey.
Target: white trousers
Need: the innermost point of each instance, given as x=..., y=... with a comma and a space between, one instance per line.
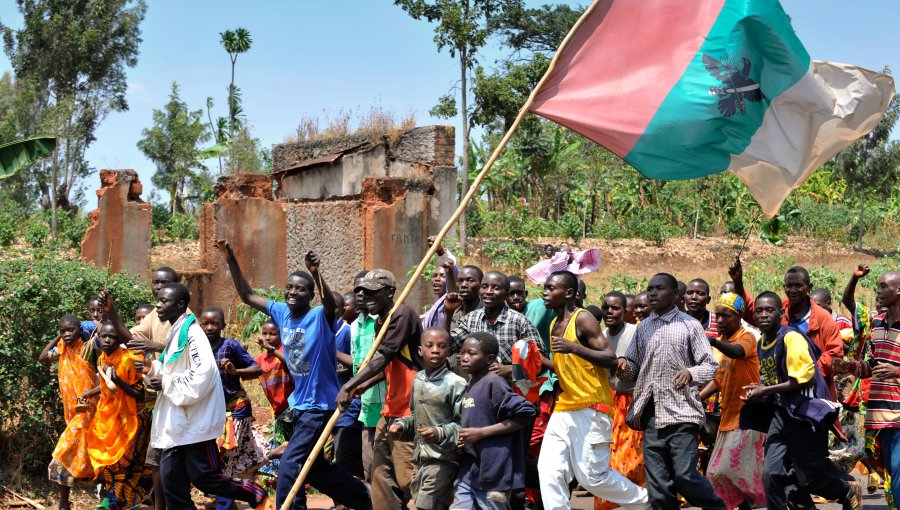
x=576, y=445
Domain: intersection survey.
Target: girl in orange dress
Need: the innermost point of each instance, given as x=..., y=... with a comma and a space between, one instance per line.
x=120, y=431
x=77, y=386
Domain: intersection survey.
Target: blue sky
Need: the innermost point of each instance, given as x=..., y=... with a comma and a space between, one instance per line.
x=310, y=57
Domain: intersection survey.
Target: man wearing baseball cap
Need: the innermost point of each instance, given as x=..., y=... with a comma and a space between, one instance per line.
x=398, y=359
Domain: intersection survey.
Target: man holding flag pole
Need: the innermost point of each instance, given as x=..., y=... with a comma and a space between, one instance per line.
x=682, y=90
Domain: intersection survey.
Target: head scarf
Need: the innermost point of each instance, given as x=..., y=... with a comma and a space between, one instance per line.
x=732, y=301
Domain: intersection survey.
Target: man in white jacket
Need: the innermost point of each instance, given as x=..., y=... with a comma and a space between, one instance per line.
x=190, y=410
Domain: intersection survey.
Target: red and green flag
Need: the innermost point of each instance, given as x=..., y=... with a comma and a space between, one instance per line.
x=685, y=89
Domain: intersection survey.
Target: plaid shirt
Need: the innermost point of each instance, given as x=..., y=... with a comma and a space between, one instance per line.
x=662, y=346
x=510, y=327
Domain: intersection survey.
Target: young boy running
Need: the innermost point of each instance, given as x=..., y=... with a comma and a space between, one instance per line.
x=77, y=382
x=796, y=401
x=493, y=462
x=434, y=423
x=578, y=435
x=120, y=431
x=309, y=348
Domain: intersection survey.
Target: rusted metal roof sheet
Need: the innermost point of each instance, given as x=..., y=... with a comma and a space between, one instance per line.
x=331, y=158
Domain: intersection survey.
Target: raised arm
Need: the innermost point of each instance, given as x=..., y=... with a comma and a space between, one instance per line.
x=240, y=282
x=109, y=309
x=736, y=272
x=848, y=298
x=312, y=264
x=45, y=356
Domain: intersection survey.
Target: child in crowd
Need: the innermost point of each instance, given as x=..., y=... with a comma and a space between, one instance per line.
x=434, y=423
x=493, y=461
x=792, y=404
x=141, y=311
x=241, y=453
x=277, y=384
x=119, y=433
x=641, y=307
x=77, y=384
x=347, y=432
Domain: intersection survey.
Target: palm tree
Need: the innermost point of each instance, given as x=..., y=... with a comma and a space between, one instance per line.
x=235, y=42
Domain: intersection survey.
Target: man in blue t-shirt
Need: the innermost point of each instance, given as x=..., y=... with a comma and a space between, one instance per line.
x=308, y=337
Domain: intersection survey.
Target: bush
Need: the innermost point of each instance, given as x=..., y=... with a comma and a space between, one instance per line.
x=10, y=224
x=36, y=232
x=34, y=293
x=71, y=229
x=183, y=226
x=822, y=277
x=627, y=284
x=160, y=216
x=512, y=256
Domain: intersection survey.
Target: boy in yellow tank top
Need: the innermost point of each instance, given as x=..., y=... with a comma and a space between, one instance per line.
x=576, y=443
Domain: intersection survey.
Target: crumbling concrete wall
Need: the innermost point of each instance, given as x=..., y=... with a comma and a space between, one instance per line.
x=360, y=202
x=120, y=228
x=246, y=216
x=364, y=203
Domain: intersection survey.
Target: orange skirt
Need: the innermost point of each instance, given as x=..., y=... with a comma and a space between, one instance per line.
x=626, y=453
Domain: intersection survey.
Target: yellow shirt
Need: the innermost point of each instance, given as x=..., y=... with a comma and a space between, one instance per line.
x=583, y=383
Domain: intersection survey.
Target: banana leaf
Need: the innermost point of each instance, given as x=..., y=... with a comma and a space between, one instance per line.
x=17, y=155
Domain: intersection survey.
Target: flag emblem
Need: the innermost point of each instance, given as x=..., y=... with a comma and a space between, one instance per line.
x=738, y=86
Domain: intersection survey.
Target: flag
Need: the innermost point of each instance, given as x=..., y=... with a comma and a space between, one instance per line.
x=685, y=89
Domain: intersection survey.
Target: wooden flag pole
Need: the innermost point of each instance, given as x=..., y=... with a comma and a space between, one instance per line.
x=460, y=210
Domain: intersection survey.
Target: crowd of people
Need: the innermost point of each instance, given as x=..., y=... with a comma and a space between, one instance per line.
x=487, y=400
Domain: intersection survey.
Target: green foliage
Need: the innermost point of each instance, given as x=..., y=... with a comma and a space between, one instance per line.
x=160, y=216
x=34, y=293
x=627, y=284
x=822, y=277
x=172, y=145
x=10, y=223
x=774, y=231
x=871, y=166
x=878, y=268
x=70, y=60
x=183, y=226
x=512, y=256
x=766, y=274
x=19, y=154
x=251, y=318
x=36, y=232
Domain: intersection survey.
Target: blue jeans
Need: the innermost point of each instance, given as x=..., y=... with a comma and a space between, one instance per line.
x=331, y=479
x=470, y=498
x=890, y=449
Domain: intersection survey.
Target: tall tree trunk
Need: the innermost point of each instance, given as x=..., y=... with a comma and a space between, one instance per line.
x=54, y=178
x=231, y=118
x=862, y=216
x=463, y=238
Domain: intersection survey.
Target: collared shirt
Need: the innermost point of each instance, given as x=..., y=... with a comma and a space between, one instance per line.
x=662, y=346
x=883, y=407
x=435, y=402
x=509, y=327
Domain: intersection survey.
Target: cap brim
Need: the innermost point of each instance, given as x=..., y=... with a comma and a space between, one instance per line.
x=369, y=286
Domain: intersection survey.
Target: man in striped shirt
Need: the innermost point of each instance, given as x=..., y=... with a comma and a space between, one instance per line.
x=883, y=408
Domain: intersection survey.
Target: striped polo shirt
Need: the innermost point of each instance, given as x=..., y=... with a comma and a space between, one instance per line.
x=883, y=408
